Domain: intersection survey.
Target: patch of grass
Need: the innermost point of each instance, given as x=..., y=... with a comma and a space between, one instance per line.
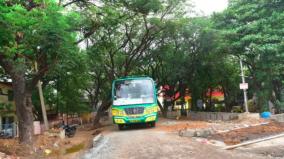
x=75, y=148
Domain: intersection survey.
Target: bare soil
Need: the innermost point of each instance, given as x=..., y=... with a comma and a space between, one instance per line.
x=174, y=125
x=56, y=147
x=139, y=142
x=244, y=134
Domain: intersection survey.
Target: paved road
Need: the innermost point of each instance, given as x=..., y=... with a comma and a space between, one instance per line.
x=151, y=143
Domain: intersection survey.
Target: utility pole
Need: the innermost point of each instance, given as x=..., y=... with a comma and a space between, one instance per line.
x=42, y=101
x=244, y=89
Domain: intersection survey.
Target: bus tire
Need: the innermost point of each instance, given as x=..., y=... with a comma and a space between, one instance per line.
x=153, y=124
x=121, y=126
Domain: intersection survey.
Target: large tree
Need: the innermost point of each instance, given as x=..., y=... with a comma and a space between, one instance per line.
x=253, y=32
x=189, y=54
x=32, y=33
x=121, y=45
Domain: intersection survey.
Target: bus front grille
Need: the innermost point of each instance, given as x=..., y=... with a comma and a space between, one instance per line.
x=136, y=110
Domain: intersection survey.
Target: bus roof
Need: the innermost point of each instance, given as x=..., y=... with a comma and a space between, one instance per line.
x=133, y=77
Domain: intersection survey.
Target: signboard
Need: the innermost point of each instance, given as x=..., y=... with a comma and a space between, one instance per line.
x=243, y=85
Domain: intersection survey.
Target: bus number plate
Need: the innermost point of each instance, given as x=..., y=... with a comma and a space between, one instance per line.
x=134, y=121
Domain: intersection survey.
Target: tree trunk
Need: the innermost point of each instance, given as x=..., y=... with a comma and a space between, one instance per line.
x=96, y=122
x=227, y=101
x=23, y=108
x=103, y=107
x=94, y=96
x=210, y=100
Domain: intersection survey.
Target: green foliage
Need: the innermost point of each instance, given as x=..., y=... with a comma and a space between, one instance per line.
x=219, y=108
x=237, y=109
x=143, y=6
x=64, y=86
x=149, y=37
x=45, y=28
x=123, y=45
x=280, y=102
x=44, y=33
x=6, y=106
x=253, y=31
x=252, y=106
x=191, y=54
x=71, y=87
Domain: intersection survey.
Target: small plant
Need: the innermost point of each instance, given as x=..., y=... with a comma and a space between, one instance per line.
x=219, y=107
x=237, y=109
x=252, y=106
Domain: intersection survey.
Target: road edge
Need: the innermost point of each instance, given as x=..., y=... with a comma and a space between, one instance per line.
x=97, y=139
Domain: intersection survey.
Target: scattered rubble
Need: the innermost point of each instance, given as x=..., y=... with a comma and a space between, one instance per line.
x=223, y=133
x=5, y=156
x=11, y=147
x=205, y=129
x=47, y=145
x=196, y=132
x=221, y=126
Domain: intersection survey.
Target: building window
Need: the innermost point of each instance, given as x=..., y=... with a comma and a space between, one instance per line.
x=10, y=95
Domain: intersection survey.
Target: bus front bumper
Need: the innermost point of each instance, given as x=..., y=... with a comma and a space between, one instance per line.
x=135, y=119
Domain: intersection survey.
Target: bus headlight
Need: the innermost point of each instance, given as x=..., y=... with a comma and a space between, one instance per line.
x=151, y=110
x=151, y=118
x=116, y=112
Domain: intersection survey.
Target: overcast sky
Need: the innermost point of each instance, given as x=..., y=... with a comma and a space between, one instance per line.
x=210, y=6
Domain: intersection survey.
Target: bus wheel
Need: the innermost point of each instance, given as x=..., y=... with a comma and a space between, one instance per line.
x=121, y=126
x=153, y=124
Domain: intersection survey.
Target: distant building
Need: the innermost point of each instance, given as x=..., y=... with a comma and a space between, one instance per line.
x=7, y=109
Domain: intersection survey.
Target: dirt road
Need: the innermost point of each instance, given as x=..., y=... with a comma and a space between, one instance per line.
x=140, y=143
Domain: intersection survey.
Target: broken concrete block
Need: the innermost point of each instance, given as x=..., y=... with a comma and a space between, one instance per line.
x=196, y=133
x=187, y=133
x=204, y=133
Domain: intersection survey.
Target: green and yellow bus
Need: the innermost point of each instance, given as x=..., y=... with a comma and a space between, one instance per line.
x=134, y=101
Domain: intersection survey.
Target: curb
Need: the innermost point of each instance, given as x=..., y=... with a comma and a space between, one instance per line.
x=98, y=143
x=97, y=139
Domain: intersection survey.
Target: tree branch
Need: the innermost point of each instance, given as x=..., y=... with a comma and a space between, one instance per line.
x=44, y=67
x=71, y=2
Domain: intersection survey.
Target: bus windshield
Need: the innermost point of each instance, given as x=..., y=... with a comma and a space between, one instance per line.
x=135, y=91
